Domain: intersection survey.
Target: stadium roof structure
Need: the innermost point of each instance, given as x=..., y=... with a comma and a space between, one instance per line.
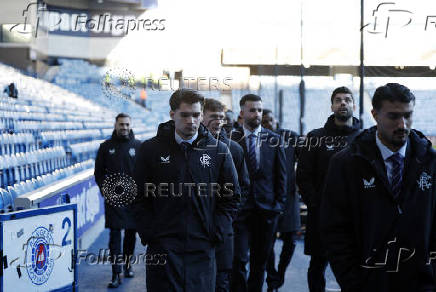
x=270, y=67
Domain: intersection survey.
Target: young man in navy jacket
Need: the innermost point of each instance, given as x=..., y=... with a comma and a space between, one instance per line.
x=188, y=192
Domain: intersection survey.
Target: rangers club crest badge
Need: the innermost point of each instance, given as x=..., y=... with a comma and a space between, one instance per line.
x=39, y=262
x=205, y=160
x=132, y=152
x=424, y=181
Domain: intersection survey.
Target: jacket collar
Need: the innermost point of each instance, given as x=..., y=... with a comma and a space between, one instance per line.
x=330, y=125
x=385, y=152
x=364, y=146
x=166, y=132
x=256, y=131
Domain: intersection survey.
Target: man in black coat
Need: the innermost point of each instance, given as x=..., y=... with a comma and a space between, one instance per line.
x=289, y=222
x=213, y=118
x=114, y=167
x=319, y=147
x=187, y=193
x=257, y=220
x=378, y=207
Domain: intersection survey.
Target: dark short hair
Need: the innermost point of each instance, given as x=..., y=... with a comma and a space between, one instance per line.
x=249, y=97
x=266, y=112
x=122, y=115
x=341, y=89
x=392, y=92
x=185, y=95
x=213, y=105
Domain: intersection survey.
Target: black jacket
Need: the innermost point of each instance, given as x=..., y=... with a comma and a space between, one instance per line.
x=268, y=183
x=175, y=219
x=224, y=251
x=116, y=155
x=290, y=219
x=361, y=221
x=320, y=145
x=240, y=165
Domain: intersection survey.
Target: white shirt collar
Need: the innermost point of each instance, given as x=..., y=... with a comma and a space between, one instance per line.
x=180, y=139
x=385, y=151
x=255, y=132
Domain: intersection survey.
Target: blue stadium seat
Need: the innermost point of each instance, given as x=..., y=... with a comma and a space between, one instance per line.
x=7, y=201
x=12, y=191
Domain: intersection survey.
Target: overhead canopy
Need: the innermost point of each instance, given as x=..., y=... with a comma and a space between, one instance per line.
x=400, y=33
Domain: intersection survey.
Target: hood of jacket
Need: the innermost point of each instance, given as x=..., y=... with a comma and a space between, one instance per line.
x=363, y=144
x=166, y=131
x=331, y=126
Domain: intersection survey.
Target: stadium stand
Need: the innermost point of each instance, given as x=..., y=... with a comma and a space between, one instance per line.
x=50, y=133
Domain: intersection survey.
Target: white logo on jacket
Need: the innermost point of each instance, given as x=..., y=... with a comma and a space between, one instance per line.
x=424, y=181
x=369, y=184
x=165, y=159
x=205, y=160
x=112, y=151
x=330, y=147
x=132, y=152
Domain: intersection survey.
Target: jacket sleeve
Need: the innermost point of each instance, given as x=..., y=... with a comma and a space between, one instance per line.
x=99, y=171
x=432, y=246
x=336, y=227
x=306, y=173
x=226, y=202
x=142, y=206
x=280, y=178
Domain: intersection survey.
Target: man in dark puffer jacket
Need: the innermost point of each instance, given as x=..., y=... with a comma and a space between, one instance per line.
x=187, y=193
x=378, y=206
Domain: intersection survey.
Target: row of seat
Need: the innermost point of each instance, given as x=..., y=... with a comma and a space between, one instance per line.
x=21, y=142
x=8, y=194
x=64, y=135
x=11, y=105
x=23, y=166
x=85, y=150
x=7, y=105
x=48, y=116
x=39, y=126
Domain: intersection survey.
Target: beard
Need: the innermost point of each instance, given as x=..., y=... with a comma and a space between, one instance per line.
x=343, y=116
x=398, y=142
x=123, y=134
x=253, y=123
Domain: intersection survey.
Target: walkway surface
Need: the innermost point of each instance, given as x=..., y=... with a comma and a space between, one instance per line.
x=95, y=277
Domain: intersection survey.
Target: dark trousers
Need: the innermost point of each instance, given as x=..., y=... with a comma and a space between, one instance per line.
x=115, y=247
x=224, y=261
x=254, y=232
x=223, y=281
x=182, y=271
x=315, y=274
x=275, y=278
